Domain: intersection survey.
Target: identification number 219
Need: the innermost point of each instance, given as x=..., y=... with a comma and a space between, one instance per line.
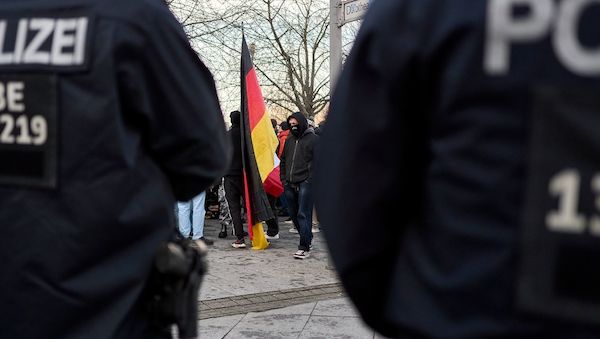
x=31, y=131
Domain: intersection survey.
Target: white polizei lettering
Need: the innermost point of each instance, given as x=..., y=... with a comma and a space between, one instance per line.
x=43, y=28
x=44, y=41
x=15, y=96
x=572, y=54
x=5, y=58
x=61, y=40
x=503, y=28
x=20, y=40
x=80, y=36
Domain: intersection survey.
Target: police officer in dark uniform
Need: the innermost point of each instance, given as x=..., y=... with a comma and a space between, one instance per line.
x=458, y=182
x=106, y=117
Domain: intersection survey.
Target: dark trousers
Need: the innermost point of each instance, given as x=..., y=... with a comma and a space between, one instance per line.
x=234, y=193
x=272, y=224
x=300, y=206
x=283, y=203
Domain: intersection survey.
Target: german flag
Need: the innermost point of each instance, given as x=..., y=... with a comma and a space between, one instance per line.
x=259, y=145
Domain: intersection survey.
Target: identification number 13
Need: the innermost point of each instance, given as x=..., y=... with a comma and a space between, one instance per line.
x=566, y=186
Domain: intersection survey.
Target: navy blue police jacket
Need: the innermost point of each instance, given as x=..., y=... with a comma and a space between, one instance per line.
x=457, y=177
x=107, y=116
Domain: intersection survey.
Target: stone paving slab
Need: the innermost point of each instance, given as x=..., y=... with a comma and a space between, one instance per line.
x=305, y=321
x=274, y=326
x=259, y=302
x=320, y=327
x=335, y=308
x=218, y=327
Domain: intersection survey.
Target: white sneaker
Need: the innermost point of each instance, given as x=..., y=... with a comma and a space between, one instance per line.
x=238, y=244
x=272, y=237
x=316, y=230
x=293, y=230
x=300, y=254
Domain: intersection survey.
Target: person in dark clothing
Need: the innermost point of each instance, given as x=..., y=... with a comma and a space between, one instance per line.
x=320, y=128
x=284, y=132
x=117, y=118
x=224, y=214
x=296, y=176
x=457, y=175
x=273, y=224
x=282, y=136
x=234, y=181
x=313, y=125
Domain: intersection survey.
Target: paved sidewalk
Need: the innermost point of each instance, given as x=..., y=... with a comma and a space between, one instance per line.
x=270, y=294
x=334, y=318
x=234, y=272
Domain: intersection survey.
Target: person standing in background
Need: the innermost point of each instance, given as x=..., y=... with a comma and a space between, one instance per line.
x=234, y=181
x=296, y=175
x=125, y=121
x=191, y=218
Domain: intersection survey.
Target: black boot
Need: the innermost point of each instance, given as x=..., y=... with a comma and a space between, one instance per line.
x=223, y=233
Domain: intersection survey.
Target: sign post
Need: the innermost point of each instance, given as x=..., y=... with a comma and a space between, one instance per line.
x=341, y=12
x=335, y=44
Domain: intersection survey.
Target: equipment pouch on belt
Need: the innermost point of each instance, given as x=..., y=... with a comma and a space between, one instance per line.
x=173, y=287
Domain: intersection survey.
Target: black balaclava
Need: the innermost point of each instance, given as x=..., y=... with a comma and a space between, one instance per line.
x=302, y=126
x=235, y=117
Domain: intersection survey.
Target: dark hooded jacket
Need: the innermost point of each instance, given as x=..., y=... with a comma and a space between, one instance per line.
x=441, y=231
x=131, y=123
x=298, y=152
x=235, y=135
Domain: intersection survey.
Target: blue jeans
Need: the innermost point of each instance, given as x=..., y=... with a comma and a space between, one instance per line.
x=191, y=217
x=299, y=199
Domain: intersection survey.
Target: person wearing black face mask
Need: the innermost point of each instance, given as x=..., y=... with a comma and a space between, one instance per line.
x=296, y=176
x=295, y=130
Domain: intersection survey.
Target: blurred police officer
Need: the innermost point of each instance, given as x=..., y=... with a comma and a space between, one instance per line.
x=463, y=199
x=106, y=117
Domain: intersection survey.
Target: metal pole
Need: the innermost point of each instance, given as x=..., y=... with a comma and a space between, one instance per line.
x=335, y=43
